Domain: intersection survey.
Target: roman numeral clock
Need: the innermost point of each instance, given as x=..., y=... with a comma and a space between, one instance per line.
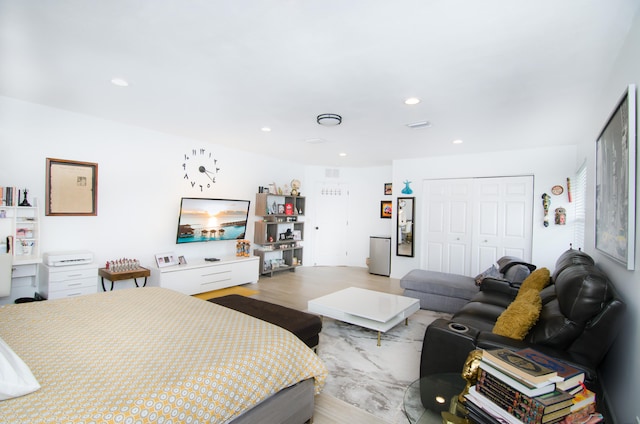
x=200, y=169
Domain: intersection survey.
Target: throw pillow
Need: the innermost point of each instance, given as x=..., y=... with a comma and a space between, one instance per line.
x=516, y=321
x=488, y=273
x=537, y=280
x=17, y=379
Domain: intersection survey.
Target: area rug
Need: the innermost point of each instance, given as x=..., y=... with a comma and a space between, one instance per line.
x=369, y=377
x=243, y=291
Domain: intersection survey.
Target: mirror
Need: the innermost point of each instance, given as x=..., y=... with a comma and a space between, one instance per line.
x=406, y=226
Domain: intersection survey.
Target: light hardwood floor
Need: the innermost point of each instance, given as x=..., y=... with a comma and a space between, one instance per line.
x=295, y=289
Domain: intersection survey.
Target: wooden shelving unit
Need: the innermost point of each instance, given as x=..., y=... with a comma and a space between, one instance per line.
x=280, y=233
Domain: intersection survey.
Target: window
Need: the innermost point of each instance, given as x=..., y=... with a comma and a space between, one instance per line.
x=579, y=195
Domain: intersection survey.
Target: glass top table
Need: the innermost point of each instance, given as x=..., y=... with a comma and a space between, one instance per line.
x=425, y=399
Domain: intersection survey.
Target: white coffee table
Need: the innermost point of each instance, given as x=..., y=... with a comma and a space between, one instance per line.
x=366, y=308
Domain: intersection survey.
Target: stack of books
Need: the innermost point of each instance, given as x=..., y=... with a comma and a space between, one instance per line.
x=523, y=386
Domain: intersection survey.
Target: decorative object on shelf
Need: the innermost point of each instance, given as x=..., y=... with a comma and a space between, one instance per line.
x=295, y=187
x=616, y=183
x=200, y=168
x=166, y=259
x=561, y=216
x=273, y=188
x=385, y=209
x=557, y=190
x=72, y=188
x=182, y=260
x=329, y=119
x=406, y=189
x=243, y=247
x=25, y=202
x=388, y=189
x=546, y=202
x=27, y=247
x=280, y=209
x=122, y=265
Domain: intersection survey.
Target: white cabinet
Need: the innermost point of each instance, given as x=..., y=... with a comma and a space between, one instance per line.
x=57, y=282
x=201, y=276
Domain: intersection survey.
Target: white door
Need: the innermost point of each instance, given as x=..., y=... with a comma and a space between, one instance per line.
x=502, y=220
x=471, y=222
x=330, y=224
x=447, y=218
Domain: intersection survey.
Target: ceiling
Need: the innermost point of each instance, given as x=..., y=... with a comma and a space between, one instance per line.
x=497, y=74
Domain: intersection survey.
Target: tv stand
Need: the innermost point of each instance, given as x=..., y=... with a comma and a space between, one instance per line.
x=201, y=275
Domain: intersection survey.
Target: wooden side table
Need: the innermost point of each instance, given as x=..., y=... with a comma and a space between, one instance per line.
x=124, y=275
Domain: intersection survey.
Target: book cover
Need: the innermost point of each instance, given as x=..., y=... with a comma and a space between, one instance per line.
x=515, y=383
x=571, y=376
x=582, y=399
x=520, y=366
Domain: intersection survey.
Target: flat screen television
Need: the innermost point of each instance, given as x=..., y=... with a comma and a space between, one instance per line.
x=203, y=220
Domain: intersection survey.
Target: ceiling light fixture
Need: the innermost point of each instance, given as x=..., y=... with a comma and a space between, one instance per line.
x=119, y=82
x=418, y=125
x=329, y=119
x=458, y=141
x=412, y=101
x=342, y=154
x=266, y=129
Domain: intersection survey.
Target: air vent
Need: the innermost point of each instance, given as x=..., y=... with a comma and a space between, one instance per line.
x=418, y=125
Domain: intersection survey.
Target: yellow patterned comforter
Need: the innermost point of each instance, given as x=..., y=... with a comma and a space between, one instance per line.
x=148, y=355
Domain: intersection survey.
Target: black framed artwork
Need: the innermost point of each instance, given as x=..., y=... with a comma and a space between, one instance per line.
x=72, y=188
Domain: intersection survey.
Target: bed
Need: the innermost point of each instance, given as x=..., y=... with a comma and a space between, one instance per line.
x=155, y=355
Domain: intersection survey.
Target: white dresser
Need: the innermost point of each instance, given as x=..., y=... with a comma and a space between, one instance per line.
x=200, y=276
x=58, y=282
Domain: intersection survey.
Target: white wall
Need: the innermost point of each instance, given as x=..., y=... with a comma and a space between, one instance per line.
x=549, y=166
x=623, y=365
x=140, y=181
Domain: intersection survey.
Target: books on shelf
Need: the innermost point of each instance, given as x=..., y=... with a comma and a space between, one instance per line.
x=570, y=377
x=520, y=366
x=582, y=399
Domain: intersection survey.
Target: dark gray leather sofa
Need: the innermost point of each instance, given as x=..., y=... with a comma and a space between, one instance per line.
x=580, y=319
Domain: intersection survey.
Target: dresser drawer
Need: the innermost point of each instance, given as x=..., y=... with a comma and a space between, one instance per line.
x=72, y=274
x=79, y=291
x=73, y=284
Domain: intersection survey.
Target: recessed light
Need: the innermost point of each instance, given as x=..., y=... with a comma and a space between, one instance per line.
x=265, y=129
x=420, y=124
x=343, y=154
x=458, y=141
x=412, y=101
x=119, y=82
x=315, y=140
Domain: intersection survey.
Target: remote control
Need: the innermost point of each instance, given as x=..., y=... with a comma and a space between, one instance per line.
x=211, y=259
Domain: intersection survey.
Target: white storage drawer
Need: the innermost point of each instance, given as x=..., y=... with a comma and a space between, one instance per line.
x=28, y=270
x=72, y=274
x=73, y=284
x=79, y=291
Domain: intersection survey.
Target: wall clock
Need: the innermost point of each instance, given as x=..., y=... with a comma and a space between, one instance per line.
x=200, y=169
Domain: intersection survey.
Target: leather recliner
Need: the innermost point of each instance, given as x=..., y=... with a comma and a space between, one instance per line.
x=577, y=324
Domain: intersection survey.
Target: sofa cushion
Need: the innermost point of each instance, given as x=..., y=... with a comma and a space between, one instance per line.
x=440, y=283
x=582, y=290
x=516, y=321
x=568, y=258
x=536, y=281
x=553, y=328
x=517, y=273
x=491, y=272
x=506, y=262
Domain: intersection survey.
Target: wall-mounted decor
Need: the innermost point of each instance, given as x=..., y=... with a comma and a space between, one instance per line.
x=72, y=188
x=385, y=209
x=388, y=189
x=200, y=168
x=615, y=182
x=407, y=189
x=406, y=226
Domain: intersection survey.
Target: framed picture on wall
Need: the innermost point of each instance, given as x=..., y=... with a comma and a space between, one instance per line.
x=72, y=188
x=388, y=189
x=616, y=183
x=385, y=209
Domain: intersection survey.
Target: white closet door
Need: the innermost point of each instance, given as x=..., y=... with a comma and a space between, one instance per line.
x=502, y=220
x=447, y=223
x=471, y=222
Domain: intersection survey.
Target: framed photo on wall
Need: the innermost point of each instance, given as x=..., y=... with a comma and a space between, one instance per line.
x=616, y=183
x=385, y=209
x=388, y=189
x=72, y=188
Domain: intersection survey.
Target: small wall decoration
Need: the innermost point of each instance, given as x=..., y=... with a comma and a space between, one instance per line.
x=388, y=189
x=406, y=189
x=546, y=202
x=72, y=188
x=200, y=169
x=385, y=209
x=616, y=183
x=166, y=259
x=561, y=216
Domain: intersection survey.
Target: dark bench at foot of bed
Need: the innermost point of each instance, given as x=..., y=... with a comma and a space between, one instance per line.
x=303, y=325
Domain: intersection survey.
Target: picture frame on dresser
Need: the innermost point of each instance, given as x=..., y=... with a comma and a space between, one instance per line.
x=72, y=188
x=166, y=259
x=616, y=183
